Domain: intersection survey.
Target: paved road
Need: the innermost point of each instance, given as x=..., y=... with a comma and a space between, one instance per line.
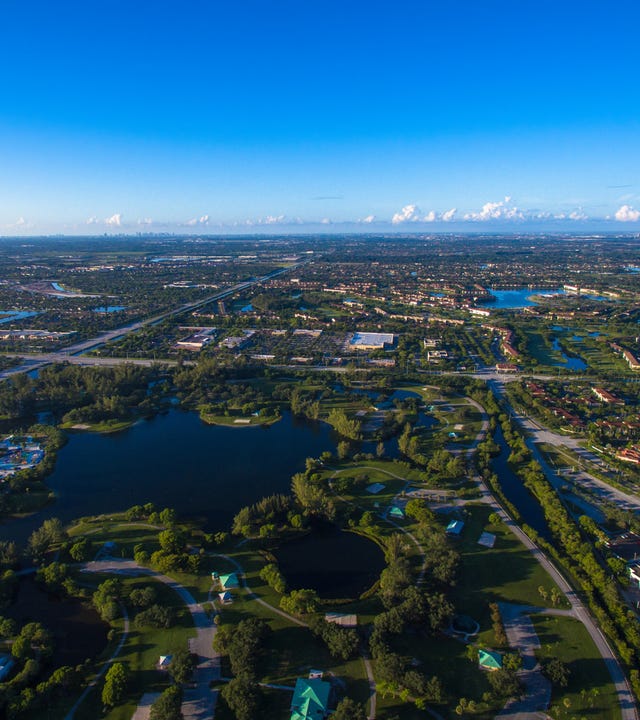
x=522, y=635
x=35, y=362
x=535, y=433
x=198, y=701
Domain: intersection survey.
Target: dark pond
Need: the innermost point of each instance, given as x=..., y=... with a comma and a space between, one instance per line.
x=515, y=491
x=78, y=631
x=176, y=460
x=333, y=562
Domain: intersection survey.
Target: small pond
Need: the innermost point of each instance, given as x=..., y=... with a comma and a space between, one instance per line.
x=570, y=363
x=78, y=631
x=333, y=562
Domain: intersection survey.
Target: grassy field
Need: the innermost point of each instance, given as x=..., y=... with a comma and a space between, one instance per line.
x=590, y=692
x=106, y=426
x=446, y=658
x=238, y=420
x=506, y=573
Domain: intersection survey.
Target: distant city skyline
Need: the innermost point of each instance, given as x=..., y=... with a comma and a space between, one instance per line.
x=119, y=117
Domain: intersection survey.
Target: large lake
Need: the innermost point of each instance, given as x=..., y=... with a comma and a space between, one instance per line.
x=175, y=460
x=520, y=298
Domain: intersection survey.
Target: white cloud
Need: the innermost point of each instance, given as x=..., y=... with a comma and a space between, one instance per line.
x=325, y=221
x=202, y=220
x=578, y=215
x=501, y=210
x=115, y=220
x=93, y=220
x=19, y=223
x=272, y=220
x=367, y=220
x=409, y=213
x=626, y=213
x=412, y=213
x=145, y=221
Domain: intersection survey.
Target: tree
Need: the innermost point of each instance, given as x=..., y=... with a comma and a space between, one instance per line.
x=168, y=516
x=168, y=705
x=157, y=616
x=49, y=533
x=182, y=666
x=171, y=541
x=82, y=550
x=341, y=642
x=243, y=698
x=504, y=683
x=557, y=672
x=300, y=602
x=311, y=497
x=142, y=597
x=222, y=639
x=348, y=709
x=273, y=577
x=106, y=598
x=8, y=554
x=115, y=685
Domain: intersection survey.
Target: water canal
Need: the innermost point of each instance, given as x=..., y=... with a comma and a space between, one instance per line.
x=515, y=491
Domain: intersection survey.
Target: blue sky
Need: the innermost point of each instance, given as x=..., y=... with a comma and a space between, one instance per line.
x=266, y=115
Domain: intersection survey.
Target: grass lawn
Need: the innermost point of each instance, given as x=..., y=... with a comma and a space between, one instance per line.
x=106, y=426
x=446, y=658
x=238, y=420
x=291, y=651
x=590, y=692
x=112, y=528
x=506, y=573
